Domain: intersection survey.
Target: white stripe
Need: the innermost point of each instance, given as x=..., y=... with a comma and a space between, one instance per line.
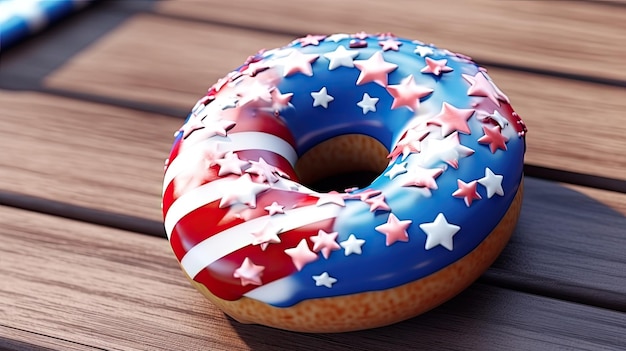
x=235, y=238
x=233, y=142
x=192, y=200
x=274, y=292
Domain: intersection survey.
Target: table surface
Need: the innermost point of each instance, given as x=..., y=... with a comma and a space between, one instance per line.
x=87, y=113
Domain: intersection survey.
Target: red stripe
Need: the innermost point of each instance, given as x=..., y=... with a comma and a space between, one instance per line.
x=218, y=276
x=209, y=220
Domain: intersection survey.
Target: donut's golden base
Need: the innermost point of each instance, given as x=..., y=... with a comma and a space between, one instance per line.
x=377, y=308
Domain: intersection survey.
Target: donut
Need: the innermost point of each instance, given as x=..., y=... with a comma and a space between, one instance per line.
x=252, y=228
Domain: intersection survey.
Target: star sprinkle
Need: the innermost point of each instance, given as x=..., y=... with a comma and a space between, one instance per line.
x=301, y=255
x=481, y=86
x=191, y=126
x=311, y=40
x=396, y=169
x=424, y=50
x=448, y=150
x=217, y=127
x=407, y=94
x=338, y=37
x=439, y=232
x=249, y=273
x=423, y=177
x=499, y=119
x=436, y=67
x=230, y=164
x=394, y=229
x=255, y=93
x=352, y=245
x=341, y=57
x=321, y=98
x=275, y=208
x=494, y=138
x=331, y=197
x=378, y=203
x=325, y=242
x=410, y=142
x=361, y=35
x=267, y=235
x=368, y=103
x=467, y=191
x=324, y=280
x=390, y=44
x=492, y=182
x=264, y=170
x=452, y=119
x=298, y=62
x=374, y=69
x=280, y=100
x=243, y=190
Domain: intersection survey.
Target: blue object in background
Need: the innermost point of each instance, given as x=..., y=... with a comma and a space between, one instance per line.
x=21, y=18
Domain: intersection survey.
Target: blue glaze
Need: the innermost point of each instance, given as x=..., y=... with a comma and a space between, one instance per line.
x=380, y=267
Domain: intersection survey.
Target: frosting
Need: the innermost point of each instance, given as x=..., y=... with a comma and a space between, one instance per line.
x=242, y=225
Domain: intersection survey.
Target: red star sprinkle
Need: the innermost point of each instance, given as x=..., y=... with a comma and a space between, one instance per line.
x=407, y=93
x=394, y=229
x=301, y=255
x=423, y=177
x=298, y=62
x=378, y=203
x=325, y=242
x=467, y=191
x=494, y=138
x=452, y=119
x=374, y=69
x=436, y=67
x=249, y=273
x=390, y=44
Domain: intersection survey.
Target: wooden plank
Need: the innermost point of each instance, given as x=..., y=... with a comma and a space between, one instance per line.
x=23, y=340
x=111, y=289
x=571, y=36
x=87, y=154
x=561, y=115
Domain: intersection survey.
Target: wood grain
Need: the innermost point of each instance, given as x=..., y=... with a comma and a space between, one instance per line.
x=86, y=154
x=126, y=292
x=569, y=36
x=190, y=56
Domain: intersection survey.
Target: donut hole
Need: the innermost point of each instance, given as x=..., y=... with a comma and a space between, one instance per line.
x=346, y=161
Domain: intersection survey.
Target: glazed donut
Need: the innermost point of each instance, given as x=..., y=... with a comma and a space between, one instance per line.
x=252, y=234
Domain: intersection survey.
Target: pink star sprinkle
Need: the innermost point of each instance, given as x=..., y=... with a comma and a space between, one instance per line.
x=301, y=255
x=218, y=127
x=378, y=203
x=325, y=242
x=267, y=235
x=280, y=99
x=275, y=208
x=361, y=35
x=467, y=191
x=436, y=67
x=423, y=177
x=494, y=138
x=191, y=126
x=298, y=62
x=311, y=40
x=331, y=197
x=249, y=273
x=452, y=119
x=230, y=164
x=481, y=86
x=394, y=229
x=407, y=93
x=375, y=69
x=390, y=44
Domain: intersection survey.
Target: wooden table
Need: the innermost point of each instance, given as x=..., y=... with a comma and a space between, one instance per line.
x=87, y=111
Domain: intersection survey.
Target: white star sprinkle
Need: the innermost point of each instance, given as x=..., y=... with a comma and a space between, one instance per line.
x=337, y=37
x=352, y=245
x=341, y=57
x=267, y=235
x=492, y=182
x=423, y=50
x=368, y=103
x=321, y=98
x=242, y=190
x=275, y=208
x=396, y=169
x=439, y=232
x=230, y=164
x=325, y=280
